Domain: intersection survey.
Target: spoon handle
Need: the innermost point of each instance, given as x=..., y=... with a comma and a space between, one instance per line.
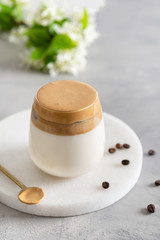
x=14, y=179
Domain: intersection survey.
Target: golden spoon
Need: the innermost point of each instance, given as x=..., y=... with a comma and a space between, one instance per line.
x=28, y=195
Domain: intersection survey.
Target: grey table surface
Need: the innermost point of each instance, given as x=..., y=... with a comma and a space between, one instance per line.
x=124, y=66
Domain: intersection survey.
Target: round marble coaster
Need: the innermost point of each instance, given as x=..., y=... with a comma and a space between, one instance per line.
x=68, y=196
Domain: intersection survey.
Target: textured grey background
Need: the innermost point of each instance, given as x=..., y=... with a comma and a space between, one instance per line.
x=124, y=66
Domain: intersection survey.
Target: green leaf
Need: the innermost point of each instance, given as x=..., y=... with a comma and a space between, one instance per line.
x=50, y=58
x=10, y=16
x=17, y=14
x=5, y=9
x=6, y=22
x=37, y=53
x=61, y=41
x=84, y=19
x=38, y=36
x=61, y=21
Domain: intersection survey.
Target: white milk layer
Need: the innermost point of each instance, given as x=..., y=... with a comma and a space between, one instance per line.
x=67, y=156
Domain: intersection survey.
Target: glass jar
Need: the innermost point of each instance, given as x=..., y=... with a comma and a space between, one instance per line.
x=67, y=133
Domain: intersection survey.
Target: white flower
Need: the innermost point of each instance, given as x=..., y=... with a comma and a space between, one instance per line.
x=76, y=13
x=52, y=71
x=8, y=3
x=38, y=64
x=90, y=34
x=69, y=61
x=22, y=2
x=16, y=35
x=72, y=29
x=49, y=12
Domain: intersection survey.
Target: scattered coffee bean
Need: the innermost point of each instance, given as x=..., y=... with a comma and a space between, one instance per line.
x=125, y=145
x=105, y=184
x=151, y=208
x=111, y=150
x=125, y=162
x=151, y=152
x=119, y=146
x=157, y=183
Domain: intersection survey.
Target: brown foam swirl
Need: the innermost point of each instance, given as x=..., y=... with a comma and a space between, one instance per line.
x=66, y=108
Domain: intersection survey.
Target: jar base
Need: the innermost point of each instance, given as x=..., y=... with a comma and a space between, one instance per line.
x=67, y=156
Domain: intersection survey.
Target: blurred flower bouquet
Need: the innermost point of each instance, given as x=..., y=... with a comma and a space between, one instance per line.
x=55, y=37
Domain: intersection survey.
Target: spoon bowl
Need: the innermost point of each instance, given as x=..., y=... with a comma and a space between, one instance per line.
x=31, y=195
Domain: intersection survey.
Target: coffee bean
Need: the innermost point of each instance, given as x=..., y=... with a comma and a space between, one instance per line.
x=125, y=162
x=157, y=183
x=105, y=184
x=111, y=150
x=151, y=208
x=126, y=145
x=119, y=146
x=151, y=152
